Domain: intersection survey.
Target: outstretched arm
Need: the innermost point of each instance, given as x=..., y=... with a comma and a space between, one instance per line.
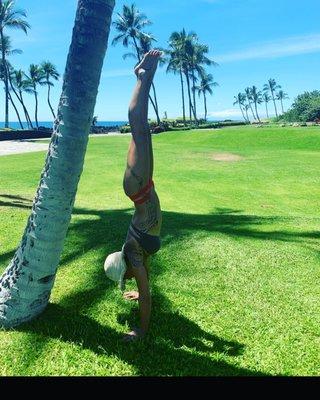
x=135, y=257
x=144, y=298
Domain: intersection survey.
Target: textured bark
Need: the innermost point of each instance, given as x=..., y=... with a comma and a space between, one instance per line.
x=26, y=284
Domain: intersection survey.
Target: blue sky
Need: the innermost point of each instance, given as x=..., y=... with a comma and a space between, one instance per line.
x=252, y=40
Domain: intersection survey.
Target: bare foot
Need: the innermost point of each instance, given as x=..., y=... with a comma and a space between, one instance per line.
x=148, y=66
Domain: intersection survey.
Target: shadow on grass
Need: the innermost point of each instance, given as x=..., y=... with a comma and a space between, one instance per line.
x=106, y=226
x=15, y=201
x=109, y=228
x=176, y=345
x=6, y=257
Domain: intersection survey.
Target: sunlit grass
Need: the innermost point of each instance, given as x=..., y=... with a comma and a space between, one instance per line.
x=236, y=286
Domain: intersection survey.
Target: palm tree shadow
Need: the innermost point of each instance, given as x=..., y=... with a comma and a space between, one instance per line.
x=176, y=345
x=162, y=353
x=173, y=327
x=15, y=201
x=6, y=257
x=109, y=229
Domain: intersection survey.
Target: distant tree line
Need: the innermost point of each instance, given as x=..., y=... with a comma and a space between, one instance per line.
x=252, y=98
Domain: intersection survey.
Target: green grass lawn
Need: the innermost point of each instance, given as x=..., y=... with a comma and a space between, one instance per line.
x=236, y=286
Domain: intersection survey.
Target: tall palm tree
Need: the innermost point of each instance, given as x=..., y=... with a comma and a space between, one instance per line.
x=197, y=58
x=206, y=85
x=20, y=84
x=14, y=19
x=26, y=285
x=249, y=101
x=176, y=63
x=174, y=66
x=281, y=95
x=130, y=25
x=240, y=100
x=266, y=98
x=144, y=45
x=256, y=97
x=36, y=77
x=246, y=109
x=50, y=72
x=181, y=43
x=272, y=87
x=5, y=67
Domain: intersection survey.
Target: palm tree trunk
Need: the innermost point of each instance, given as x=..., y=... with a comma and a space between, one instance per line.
x=155, y=105
x=194, y=96
x=254, y=117
x=182, y=93
x=191, y=109
x=16, y=110
x=267, y=110
x=256, y=107
x=248, y=119
x=26, y=112
x=282, y=106
x=19, y=97
x=243, y=113
x=137, y=48
x=26, y=285
x=274, y=102
x=51, y=108
x=205, y=106
x=6, y=86
x=189, y=97
x=36, y=108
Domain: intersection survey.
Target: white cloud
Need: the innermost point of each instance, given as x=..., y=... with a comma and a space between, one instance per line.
x=273, y=49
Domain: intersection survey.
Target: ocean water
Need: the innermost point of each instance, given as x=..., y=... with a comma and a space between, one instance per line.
x=49, y=124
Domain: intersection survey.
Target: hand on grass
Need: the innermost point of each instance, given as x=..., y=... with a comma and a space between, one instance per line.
x=134, y=335
x=131, y=296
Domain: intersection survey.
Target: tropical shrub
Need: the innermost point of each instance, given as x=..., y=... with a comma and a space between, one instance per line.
x=306, y=108
x=125, y=129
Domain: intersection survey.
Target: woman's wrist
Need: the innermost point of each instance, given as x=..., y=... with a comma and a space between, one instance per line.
x=141, y=332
